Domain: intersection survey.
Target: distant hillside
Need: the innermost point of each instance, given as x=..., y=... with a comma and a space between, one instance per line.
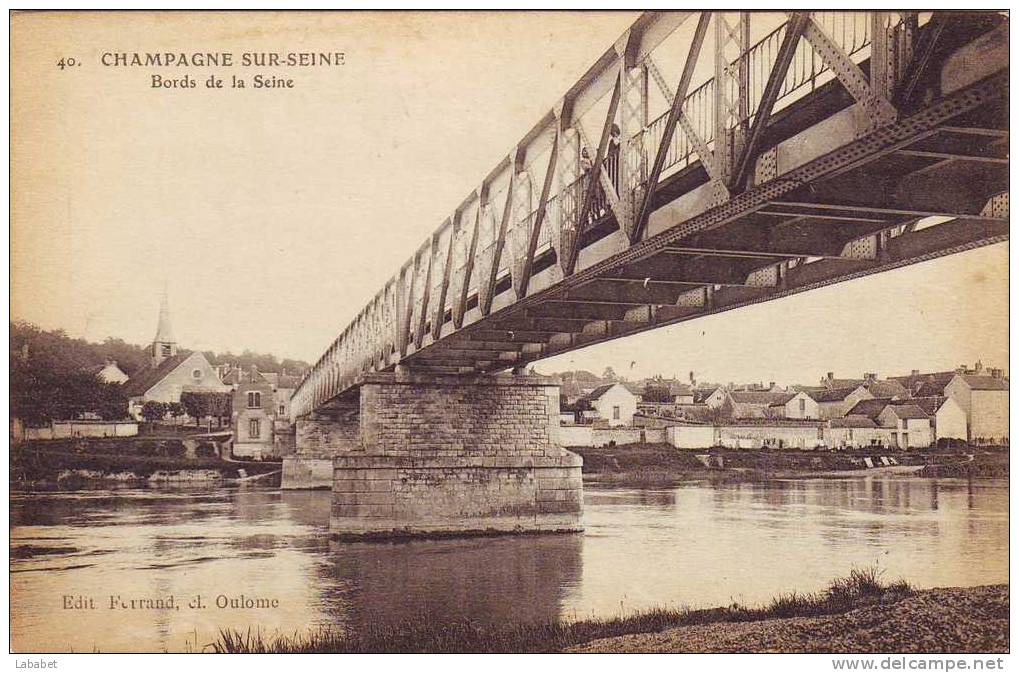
x=55, y=350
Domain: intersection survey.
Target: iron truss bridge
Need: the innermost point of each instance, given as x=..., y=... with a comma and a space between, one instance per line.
x=819, y=147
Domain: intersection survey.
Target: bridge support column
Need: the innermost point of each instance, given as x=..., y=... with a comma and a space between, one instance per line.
x=318, y=439
x=452, y=455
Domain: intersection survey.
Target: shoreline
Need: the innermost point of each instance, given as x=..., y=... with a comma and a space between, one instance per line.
x=856, y=614
x=942, y=620
x=662, y=466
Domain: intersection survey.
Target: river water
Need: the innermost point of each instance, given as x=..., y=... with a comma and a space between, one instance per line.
x=695, y=545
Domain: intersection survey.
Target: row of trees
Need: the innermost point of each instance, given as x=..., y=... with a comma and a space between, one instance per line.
x=39, y=395
x=194, y=405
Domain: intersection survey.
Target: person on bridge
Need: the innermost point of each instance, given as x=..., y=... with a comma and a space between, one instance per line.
x=612, y=159
x=586, y=166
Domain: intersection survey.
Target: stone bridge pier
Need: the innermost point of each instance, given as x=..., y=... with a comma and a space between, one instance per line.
x=426, y=454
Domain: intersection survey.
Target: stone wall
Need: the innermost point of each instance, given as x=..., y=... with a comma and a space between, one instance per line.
x=318, y=438
x=456, y=455
x=65, y=429
x=403, y=495
x=492, y=416
x=328, y=433
x=587, y=435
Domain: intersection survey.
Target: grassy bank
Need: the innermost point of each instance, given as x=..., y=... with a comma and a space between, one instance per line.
x=982, y=464
x=662, y=464
x=861, y=588
x=947, y=620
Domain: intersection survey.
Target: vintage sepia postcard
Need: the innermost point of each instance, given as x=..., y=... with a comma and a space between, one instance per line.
x=510, y=332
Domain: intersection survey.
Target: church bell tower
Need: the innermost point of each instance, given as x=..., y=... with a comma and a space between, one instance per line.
x=164, y=345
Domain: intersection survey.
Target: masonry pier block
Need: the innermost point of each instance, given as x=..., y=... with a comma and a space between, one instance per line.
x=320, y=437
x=451, y=455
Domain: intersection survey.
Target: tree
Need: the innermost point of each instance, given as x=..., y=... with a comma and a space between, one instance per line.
x=609, y=374
x=202, y=405
x=153, y=411
x=111, y=402
x=656, y=393
x=194, y=405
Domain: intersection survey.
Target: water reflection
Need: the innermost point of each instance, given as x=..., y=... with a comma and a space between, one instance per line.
x=697, y=545
x=493, y=580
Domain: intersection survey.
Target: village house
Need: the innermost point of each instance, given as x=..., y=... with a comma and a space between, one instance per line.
x=948, y=417
x=285, y=385
x=836, y=402
x=869, y=408
x=981, y=393
x=109, y=372
x=713, y=397
x=875, y=386
x=855, y=432
x=253, y=414
x=985, y=401
x=798, y=405
x=910, y=425
x=613, y=403
x=170, y=372
x=753, y=403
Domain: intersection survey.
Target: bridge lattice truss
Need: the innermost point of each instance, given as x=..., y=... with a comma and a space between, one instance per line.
x=807, y=158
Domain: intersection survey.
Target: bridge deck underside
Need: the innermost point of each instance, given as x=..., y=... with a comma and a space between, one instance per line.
x=951, y=172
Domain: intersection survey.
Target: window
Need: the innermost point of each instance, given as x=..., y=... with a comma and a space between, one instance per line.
x=283, y=409
x=803, y=406
x=196, y=374
x=615, y=413
x=254, y=399
x=254, y=428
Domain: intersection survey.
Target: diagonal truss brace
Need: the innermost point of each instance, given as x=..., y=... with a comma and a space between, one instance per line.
x=706, y=156
x=643, y=210
x=879, y=109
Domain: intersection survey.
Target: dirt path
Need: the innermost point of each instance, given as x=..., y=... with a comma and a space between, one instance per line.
x=937, y=620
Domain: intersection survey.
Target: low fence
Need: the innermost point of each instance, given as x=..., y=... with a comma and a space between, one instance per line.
x=68, y=429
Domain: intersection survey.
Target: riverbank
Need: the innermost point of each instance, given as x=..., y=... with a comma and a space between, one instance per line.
x=955, y=620
x=662, y=465
x=857, y=613
x=71, y=464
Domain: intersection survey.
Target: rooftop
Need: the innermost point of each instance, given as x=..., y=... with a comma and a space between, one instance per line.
x=140, y=383
x=832, y=394
x=758, y=397
x=870, y=408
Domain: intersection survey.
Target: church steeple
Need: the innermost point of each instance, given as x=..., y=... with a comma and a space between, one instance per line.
x=164, y=345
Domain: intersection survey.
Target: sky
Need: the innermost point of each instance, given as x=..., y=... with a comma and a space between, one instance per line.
x=272, y=216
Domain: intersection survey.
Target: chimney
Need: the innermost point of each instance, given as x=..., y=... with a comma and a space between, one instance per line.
x=961, y=369
x=978, y=367
x=771, y=385
x=997, y=373
x=914, y=372
x=870, y=377
x=831, y=375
